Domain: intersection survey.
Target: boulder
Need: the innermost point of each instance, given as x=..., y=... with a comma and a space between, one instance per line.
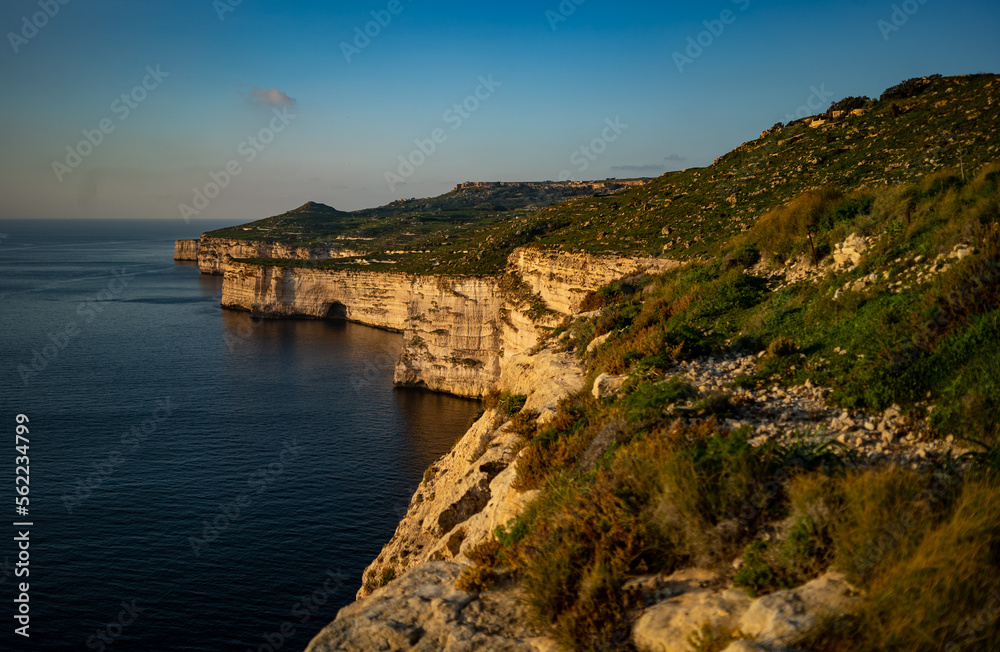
x=665, y=627
x=423, y=611
x=778, y=618
x=607, y=385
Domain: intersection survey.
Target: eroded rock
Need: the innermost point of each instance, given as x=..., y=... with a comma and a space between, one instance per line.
x=424, y=612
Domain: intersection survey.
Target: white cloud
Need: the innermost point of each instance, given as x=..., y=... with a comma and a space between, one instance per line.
x=269, y=97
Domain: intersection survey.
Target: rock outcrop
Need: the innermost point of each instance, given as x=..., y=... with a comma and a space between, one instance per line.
x=469, y=492
x=423, y=611
x=213, y=253
x=185, y=250
x=769, y=623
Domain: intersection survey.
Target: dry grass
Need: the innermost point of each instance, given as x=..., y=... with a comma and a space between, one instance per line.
x=938, y=587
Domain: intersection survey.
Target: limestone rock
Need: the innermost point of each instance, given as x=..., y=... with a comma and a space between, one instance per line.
x=423, y=611
x=545, y=378
x=961, y=252
x=849, y=252
x=469, y=492
x=606, y=385
x=744, y=646
x=450, y=332
x=458, y=331
x=185, y=250
x=665, y=627
x=777, y=618
x=597, y=342
x=212, y=252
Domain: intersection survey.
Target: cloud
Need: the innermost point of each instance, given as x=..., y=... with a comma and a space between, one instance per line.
x=269, y=97
x=651, y=167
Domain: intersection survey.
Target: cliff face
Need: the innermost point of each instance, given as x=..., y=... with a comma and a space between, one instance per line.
x=212, y=252
x=563, y=279
x=469, y=492
x=449, y=326
x=466, y=336
x=458, y=330
x=185, y=250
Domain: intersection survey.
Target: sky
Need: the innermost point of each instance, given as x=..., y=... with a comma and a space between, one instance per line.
x=235, y=110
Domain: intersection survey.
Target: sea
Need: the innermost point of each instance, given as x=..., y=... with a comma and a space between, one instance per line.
x=192, y=478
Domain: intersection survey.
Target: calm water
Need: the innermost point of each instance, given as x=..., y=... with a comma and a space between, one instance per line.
x=210, y=472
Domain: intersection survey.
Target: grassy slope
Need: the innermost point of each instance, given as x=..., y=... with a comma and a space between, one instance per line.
x=669, y=493
x=896, y=140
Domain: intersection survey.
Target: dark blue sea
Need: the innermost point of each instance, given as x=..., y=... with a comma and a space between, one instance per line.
x=198, y=480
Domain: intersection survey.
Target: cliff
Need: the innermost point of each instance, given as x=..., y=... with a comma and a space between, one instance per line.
x=186, y=250
x=212, y=252
x=457, y=329
x=468, y=493
x=451, y=337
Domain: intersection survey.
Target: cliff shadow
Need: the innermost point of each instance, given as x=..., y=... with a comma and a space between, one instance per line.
x=336, y=310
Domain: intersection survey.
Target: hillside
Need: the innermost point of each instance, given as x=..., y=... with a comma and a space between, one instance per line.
x=914, y=128
x=817, y=403
x=791, y=441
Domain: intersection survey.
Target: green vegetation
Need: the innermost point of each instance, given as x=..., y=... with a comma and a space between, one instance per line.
x=649, y=481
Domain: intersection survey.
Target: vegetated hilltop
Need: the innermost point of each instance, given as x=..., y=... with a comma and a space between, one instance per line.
x=914, y=128
x=427, y=231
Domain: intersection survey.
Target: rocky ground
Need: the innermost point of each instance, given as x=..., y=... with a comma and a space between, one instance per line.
x=787, y=414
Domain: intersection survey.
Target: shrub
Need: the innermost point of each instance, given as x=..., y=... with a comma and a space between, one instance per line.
x=649, y=401
x=744, y=256
x=943, y=593
x=783, y=231
x=506, y=404
x=850, y=103
x=909, y=88
x=781, y=346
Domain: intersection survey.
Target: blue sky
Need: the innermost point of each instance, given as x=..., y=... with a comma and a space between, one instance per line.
x=557, y=72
